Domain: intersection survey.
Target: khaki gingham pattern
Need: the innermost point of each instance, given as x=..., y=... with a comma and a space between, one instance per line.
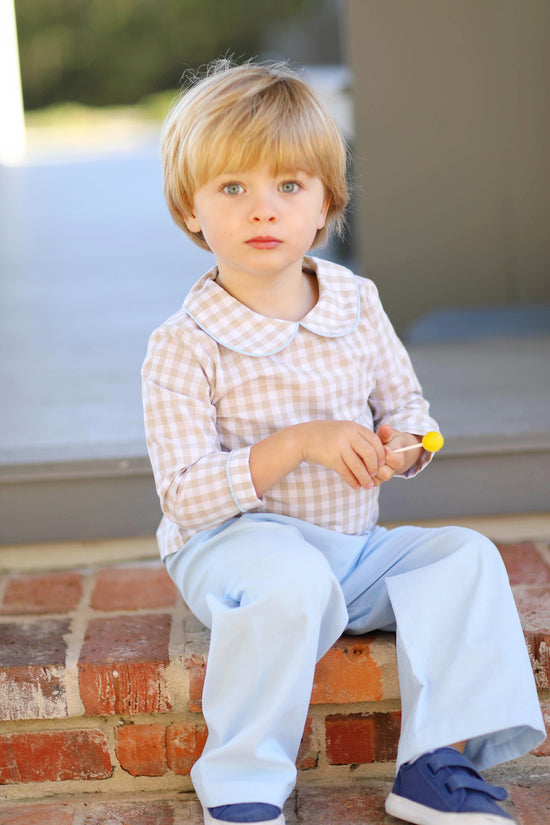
x=218, y=377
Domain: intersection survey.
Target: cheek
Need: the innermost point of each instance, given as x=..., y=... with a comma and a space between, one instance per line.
x=217, y=237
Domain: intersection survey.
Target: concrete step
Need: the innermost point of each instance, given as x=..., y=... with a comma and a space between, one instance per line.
x=495, y=459
x=101, y=673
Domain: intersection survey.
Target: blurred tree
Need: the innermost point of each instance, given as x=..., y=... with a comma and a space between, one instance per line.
x=102, y=52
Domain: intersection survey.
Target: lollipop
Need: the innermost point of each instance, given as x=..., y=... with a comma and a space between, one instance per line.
x=432, y=442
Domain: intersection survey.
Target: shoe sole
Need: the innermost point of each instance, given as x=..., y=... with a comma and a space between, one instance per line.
x=209, y=820
x=410, y=811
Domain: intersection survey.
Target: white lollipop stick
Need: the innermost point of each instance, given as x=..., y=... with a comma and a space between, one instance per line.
x=406, y=449
x=432, y=442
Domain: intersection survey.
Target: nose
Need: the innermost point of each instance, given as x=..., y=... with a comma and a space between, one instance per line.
x=263, y=209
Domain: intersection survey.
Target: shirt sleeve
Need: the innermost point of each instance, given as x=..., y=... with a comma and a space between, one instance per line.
x=397, y=397
x=200, y=485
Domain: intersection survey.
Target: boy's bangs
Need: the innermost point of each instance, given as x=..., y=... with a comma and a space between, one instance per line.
x=281, y=149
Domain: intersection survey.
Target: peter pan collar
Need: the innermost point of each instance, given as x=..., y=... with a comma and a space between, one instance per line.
x=239, y=328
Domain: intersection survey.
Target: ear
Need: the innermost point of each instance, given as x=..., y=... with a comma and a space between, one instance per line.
x=191, y=223
x=323, y=214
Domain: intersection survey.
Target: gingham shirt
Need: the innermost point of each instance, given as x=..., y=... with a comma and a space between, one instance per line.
x=218, y=378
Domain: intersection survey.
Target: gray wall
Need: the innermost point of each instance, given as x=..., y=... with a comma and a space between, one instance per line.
x=452, y=108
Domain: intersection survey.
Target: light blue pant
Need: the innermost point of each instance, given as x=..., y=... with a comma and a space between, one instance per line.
x=277, y=593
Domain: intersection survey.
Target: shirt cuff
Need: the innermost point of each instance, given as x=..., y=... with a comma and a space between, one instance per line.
x=240, y=481
x=416, y=468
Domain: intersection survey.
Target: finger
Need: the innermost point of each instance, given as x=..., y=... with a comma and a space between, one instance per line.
x=371, y=452
x=365, y=435
x=395, y=462
x=356, y=466
x=384, y=474
x=348, y=476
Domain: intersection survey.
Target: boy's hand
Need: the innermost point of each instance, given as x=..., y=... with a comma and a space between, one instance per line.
x=353, y=451
x=396, y=463
x=363, y=459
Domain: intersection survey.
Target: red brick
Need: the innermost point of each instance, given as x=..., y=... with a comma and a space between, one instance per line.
x=544, y=748
x=33, y=643
x=139, y=812
x=538, y=645
x=196, y=668
x=130, y=639
x=357, y=738
x=51, y=593
x=348, y=673
x=32, y=661
x=122, y=667
x=53, y=756
x=344, y=806
x=524, y=564
x=184, y=745
x=133, y=589
x=43, y=814
x=532, y=800
x=141, y=749
x=308, y=755
x=32, y=693
x=533, y=603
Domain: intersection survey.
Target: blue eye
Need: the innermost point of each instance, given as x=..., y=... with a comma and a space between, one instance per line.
x=233, y=189
x=289, y=187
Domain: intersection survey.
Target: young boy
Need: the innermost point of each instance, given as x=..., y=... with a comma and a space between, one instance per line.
x=275, y=401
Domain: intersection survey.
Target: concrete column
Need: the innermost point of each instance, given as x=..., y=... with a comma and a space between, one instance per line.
x=12, y=133
x=452, y=112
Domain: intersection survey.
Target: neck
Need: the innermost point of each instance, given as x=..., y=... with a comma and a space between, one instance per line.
x=288, y=296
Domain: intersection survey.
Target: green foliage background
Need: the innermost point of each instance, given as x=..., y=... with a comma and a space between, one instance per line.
x=104, y=52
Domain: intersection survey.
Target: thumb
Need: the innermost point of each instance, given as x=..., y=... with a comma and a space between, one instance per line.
x=385, y=433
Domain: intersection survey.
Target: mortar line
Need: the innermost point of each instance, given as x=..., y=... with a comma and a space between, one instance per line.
x=75, y=641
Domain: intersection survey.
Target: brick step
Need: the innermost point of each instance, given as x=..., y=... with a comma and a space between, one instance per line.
x=101, y=674
x=359, y=802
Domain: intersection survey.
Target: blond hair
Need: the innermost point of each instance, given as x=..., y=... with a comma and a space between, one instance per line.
x=236, y=117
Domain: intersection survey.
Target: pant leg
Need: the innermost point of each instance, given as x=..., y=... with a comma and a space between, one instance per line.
x=274, y=607
x=464, y=670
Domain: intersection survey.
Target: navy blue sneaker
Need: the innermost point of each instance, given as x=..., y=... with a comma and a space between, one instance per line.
x=245, y=812
x=444, y=788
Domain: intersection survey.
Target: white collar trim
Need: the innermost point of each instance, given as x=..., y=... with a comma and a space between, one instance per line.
x=239, y=328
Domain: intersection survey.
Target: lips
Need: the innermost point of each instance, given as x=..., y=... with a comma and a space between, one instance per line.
x=263, y=242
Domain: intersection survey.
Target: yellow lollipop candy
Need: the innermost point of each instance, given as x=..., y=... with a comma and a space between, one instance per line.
x=432, y=442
